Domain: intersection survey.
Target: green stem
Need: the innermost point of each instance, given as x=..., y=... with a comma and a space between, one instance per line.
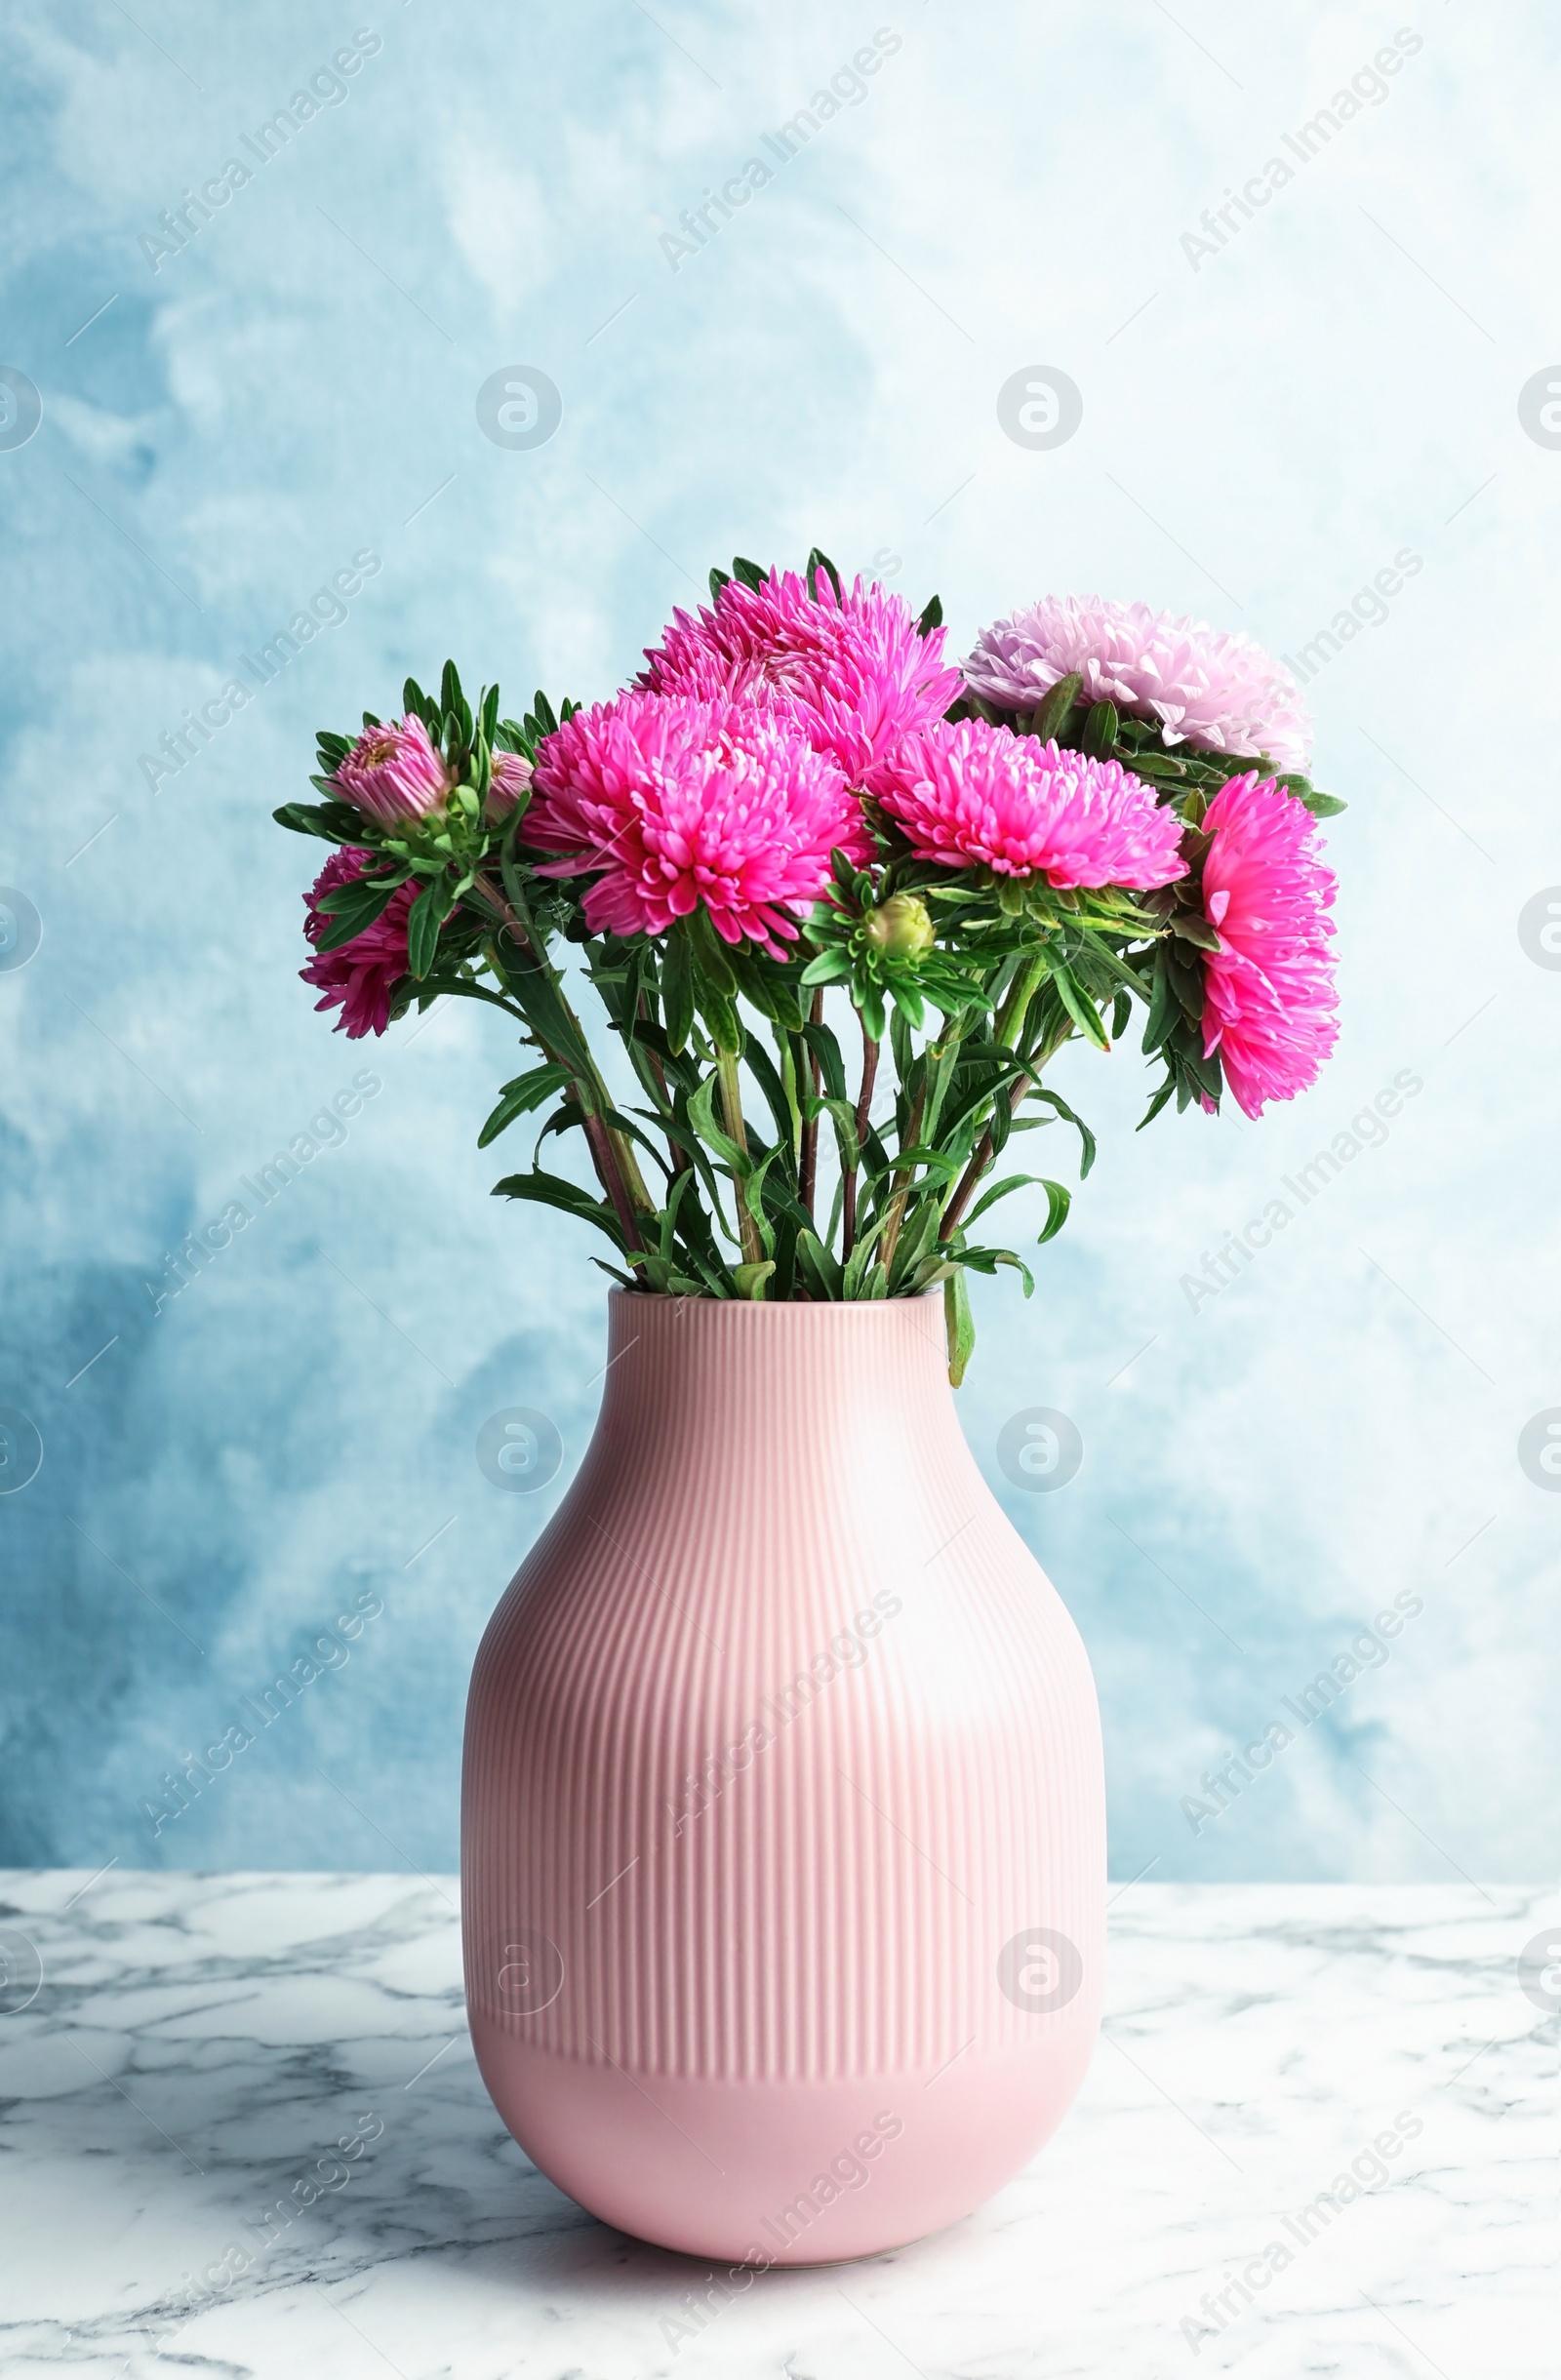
x=807, y=1156
x=1022, y=991
x=870, y=1073
x=610, y=1153
x=901, y=1182
x=980, y=1161
x=726, y=1067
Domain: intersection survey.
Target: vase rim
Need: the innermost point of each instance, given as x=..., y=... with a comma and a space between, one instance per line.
x=662, y=1299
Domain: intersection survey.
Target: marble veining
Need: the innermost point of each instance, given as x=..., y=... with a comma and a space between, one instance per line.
x=241, y=2133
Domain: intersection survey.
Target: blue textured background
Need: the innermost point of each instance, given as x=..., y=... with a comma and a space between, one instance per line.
x=1261, y=436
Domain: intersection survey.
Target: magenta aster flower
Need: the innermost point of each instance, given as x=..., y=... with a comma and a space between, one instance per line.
x=856, y=672
x=1216, y=691
x=511, y=775
x=357, y=977
x=679, y=803
x=1269, y=990
x=972, y=793
x=393, y=774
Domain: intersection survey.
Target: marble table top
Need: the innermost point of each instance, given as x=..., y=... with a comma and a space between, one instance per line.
x=181, y=2054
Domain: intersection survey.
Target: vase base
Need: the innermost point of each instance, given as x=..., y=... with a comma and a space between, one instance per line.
x=781, y=2172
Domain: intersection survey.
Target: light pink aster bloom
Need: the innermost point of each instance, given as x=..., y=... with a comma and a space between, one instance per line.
x=357, y=976
x=680, y=804
x=511, y=775
x=1269, y=990
x=1208, y=688
x=393, y=774
x=856, y=672
x=972, y=793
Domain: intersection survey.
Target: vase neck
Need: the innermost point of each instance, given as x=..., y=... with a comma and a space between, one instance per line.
x=695, y=1380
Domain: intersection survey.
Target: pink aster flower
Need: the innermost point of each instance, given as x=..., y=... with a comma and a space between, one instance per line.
x=972, y=793
x=856, y=672
x=393, y=774
x=511, y=775
x=1216, y=691
x=1269, y=990
x=678, y=803
x=357, y=976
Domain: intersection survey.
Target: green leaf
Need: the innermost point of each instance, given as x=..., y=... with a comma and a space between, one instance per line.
x=702, y=1110
x=931, y=617
x=1099, y=729
x=677, y=992
x=819, y=561
x=428, y=914
x=718, y=581
x=1015, y=1182
x=350, y=919
x=843, y=1115
x=332, y=821
x=1158, y=1102
x=959, y=1325
x=1006, y=1255
x=1121, y=1011
x=1054, y=1100
x=1057, y=1202
x=1188, y=927
x=751, y=1278
x=1047, y=721
x=1321, y=805
x=748, y=572
x=870, y=1001
x=1079, y=1007
x=519, y=1097
x=825, y=1049
x=823, y=1272
x=552, y=1190
x=831, y=966
x=1162, y=1007
x=712, y=961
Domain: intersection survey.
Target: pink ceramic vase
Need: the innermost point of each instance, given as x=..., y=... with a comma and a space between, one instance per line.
x=783, y=1841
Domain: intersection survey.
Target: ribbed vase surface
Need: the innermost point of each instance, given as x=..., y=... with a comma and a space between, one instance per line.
x=784, y=1837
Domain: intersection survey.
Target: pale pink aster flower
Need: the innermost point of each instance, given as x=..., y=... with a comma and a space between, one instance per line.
x=1268, y=989
x=1208, y=688
x=855, y=671
x=511, y=775
x=357, y=976
x=680, y=804
x=393, y=774
x=971, y=794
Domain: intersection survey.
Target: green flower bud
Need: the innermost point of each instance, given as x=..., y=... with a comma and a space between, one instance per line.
x=902, y=929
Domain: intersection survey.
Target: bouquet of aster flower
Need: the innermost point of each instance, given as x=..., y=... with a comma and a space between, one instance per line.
x=800, y=820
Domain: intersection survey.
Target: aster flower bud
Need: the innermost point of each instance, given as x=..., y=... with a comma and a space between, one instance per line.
x=511, y=775
x=393, y=774
x=900, y=928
